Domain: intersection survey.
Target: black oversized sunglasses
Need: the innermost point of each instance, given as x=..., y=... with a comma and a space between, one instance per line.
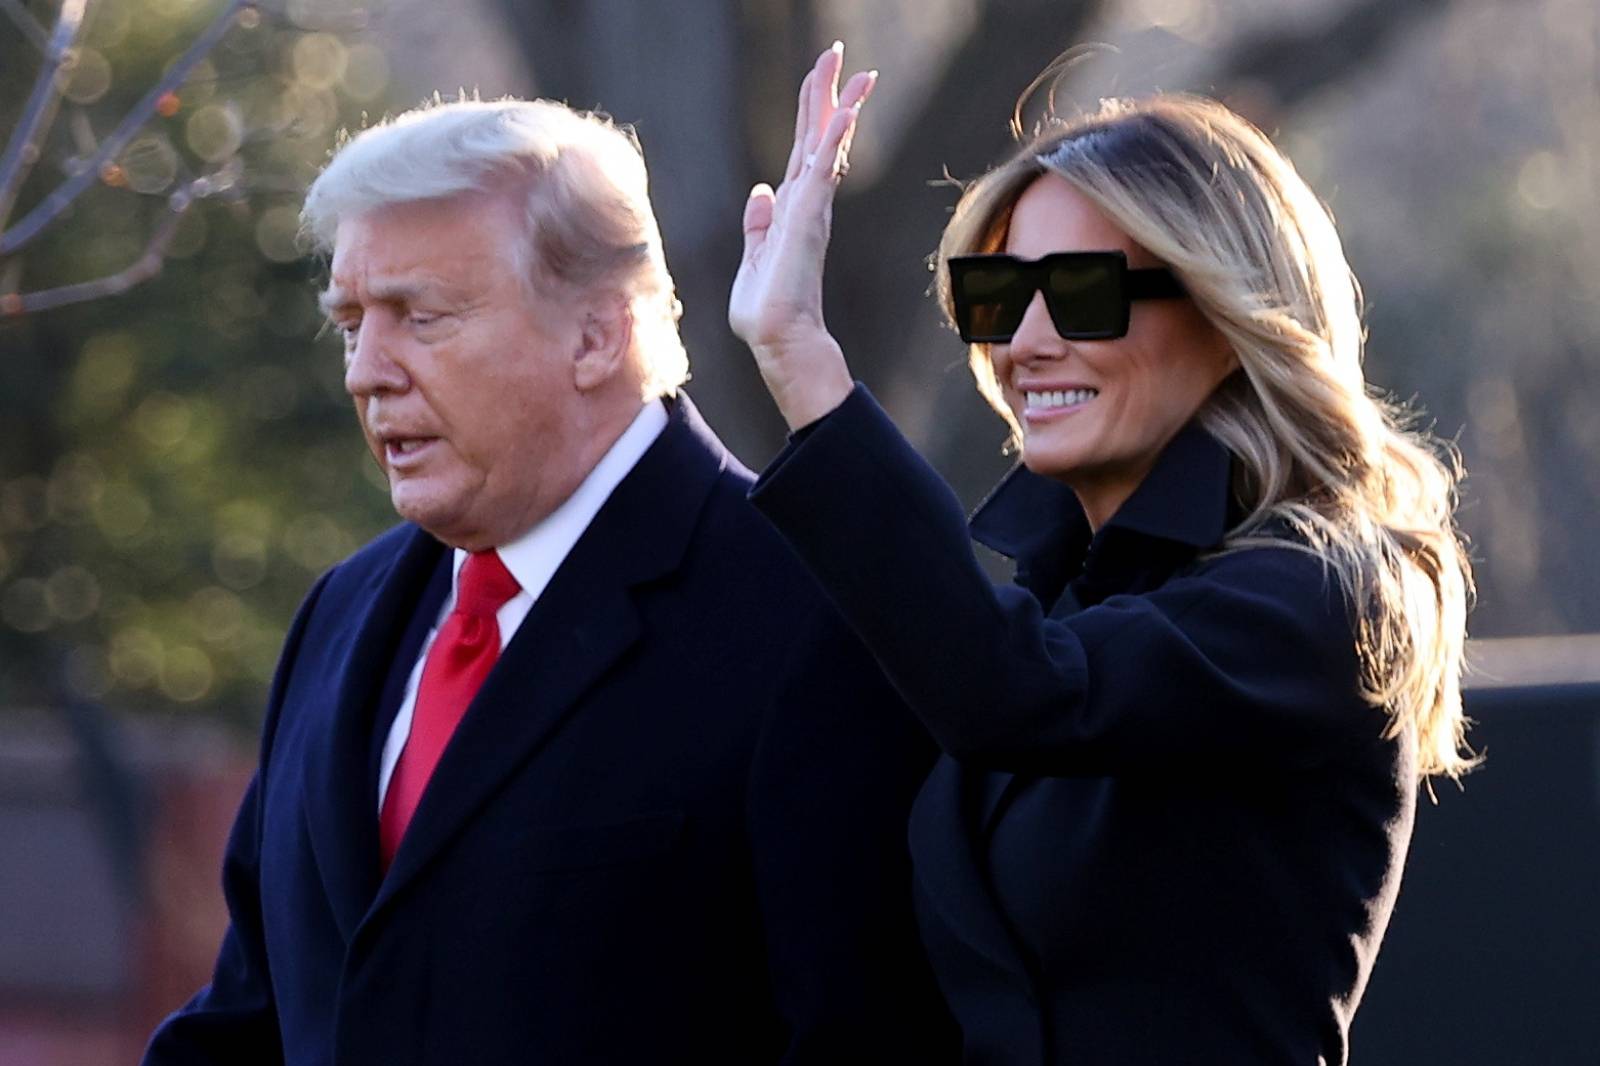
x=1088, y=294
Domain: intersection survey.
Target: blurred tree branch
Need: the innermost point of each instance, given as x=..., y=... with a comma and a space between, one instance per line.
x=22, y=150
x=147, y=266
x=25, y=22
x=33, y=223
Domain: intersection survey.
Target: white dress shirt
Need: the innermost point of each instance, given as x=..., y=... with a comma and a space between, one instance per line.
x=533, y=559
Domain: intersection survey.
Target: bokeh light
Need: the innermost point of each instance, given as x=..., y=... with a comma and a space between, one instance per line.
x=106, y=368
x=186, y=673
x=277, y=232
x=303, y=111
x=219, y=617
x=162, y=419
x=75, y=486
x=110, y=24
x=122, y=513
x=136, y=656
x=318, y=60
x=89, y=77
x=201, y=85
x=214, y=132
x=150, y=164
x=72, y=593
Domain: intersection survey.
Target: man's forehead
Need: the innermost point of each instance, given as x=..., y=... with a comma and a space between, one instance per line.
x=470, y=215
x=375, y=258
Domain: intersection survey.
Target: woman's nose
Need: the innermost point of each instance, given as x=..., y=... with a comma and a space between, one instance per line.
x=1036, y=334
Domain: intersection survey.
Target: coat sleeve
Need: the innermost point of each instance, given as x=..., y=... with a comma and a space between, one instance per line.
x=234, y=1018
x=1250, y=656
x=839, y=761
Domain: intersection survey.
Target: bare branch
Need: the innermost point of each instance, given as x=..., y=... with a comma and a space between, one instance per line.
x=42, y=215
x=23, y=150
x=147, y=266
x=26, y=23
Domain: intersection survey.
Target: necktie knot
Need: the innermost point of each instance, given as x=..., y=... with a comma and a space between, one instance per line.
x=485, y=585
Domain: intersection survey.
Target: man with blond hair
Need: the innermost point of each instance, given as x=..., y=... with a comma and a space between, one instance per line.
x=575, y=765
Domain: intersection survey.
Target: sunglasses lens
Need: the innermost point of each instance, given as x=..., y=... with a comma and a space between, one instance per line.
x=1086, y=293
x=995, y=297
x=1085, y=298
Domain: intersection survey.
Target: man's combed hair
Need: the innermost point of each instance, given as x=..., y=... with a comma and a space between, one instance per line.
x=583, y=180
x=1315, y=452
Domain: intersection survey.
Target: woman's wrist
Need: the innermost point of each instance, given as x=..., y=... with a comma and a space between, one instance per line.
x=807, y=378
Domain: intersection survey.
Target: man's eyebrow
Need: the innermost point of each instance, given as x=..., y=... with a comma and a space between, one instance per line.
x=394, y=292
x=331, y=299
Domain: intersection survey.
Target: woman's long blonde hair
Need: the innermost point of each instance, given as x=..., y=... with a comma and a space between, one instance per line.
x=1208, y=194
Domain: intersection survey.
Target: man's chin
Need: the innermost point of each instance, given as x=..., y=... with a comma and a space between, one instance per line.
x=440, y=520
x=420, y=507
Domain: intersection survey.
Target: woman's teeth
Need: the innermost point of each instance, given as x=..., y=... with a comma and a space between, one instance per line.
x=1059, y=398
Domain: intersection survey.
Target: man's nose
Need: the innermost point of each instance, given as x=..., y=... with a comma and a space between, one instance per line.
x=370, y=366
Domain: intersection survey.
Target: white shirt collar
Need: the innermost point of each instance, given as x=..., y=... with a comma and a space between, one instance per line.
x=534, y=557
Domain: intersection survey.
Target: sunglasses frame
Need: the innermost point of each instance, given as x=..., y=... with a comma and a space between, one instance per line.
x=1143, y=283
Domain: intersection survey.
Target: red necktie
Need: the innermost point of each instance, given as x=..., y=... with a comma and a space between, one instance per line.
x=462, y=655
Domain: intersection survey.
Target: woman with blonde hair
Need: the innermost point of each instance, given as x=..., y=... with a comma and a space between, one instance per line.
x=1182, y=751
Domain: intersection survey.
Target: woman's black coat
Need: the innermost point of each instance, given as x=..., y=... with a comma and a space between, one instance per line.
x=1166, y=827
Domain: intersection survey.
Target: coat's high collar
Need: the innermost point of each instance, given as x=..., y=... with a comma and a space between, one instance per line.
x=1038, y=522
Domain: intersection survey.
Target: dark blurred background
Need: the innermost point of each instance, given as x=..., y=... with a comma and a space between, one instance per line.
x=177, y=461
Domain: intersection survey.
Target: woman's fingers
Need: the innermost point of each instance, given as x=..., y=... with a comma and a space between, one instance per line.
x=757, y=218
x=802, y=120
x=819, y=104
x=830, y=155
x=858, y=88
x=831, y=163
x=855, y=94
x=824, y=100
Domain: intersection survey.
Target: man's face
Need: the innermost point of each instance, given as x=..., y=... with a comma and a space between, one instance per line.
x=462, y=378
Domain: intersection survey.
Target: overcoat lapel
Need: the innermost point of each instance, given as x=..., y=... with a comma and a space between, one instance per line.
x=340, y=799
x=949, y=861
x=583, y=623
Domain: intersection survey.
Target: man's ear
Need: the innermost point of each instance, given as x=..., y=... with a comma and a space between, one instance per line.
x=605, y=339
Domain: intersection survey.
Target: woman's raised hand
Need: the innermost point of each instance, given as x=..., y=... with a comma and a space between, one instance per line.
x=776, y=303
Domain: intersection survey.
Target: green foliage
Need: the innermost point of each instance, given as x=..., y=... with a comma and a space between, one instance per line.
x=179, y=461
